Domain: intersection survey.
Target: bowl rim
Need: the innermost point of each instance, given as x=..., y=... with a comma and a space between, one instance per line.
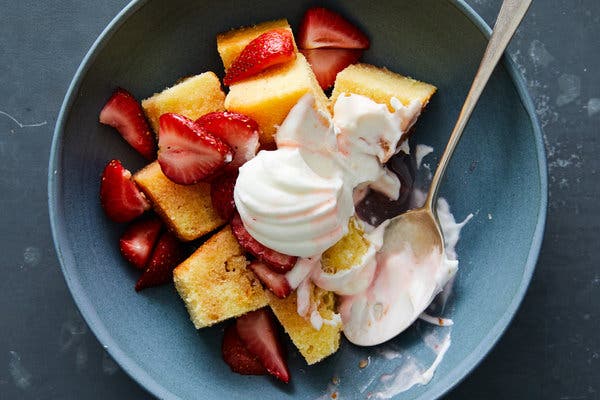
x=135, y=371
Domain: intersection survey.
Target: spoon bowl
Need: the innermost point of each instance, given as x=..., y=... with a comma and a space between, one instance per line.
x=417, y=229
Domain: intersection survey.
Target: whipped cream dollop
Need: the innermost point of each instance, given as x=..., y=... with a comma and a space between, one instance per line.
x=379, y=130
x=288, y=207
x=298, y=199
x=368, y=135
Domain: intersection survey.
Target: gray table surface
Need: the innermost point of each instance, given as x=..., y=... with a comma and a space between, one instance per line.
x=552, y=348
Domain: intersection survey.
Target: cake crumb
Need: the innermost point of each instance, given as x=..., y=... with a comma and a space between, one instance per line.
x=335, y=380
x=364, y=362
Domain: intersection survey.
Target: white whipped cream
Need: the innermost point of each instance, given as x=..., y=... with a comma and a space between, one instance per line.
x=365, y=128
x=310, y=130
x=288, y=207
x=298, y=199
x=368, y=135
x=422, y=151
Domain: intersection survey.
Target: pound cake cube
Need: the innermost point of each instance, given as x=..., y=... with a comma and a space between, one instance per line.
x=193, y=97
x=314, y=345
x=269, y=96
x=215, y=283
x=230, y=44
x=187, y=210
x=380, y=85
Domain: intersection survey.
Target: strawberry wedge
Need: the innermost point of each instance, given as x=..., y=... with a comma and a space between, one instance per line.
x=120, y=198
x=187, y=154
x=124, y=113
x=138, y=241
x=221, y=194
x=165, y=257
x=277, y=261
x=259, y=333
x=323, y=28
x=276, y=283
x=271, y=48
x=236, y=355
x=326, y=63
x=239, y=131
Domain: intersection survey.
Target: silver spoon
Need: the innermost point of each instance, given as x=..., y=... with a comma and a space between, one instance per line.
x=420, y=228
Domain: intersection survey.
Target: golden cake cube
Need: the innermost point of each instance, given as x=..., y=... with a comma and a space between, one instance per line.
x=186, y=209
x=380, y=85
x=215, y=284
x=192, y=97
x=268, y=97
x=313, y=344
x=230, y=44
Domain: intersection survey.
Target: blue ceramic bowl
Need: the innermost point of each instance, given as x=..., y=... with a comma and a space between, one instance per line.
x=498, y=173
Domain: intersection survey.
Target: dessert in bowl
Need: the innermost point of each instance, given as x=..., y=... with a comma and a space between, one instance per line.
x=223, y=241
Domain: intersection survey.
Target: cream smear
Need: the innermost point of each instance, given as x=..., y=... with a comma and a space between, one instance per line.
x=411, y=372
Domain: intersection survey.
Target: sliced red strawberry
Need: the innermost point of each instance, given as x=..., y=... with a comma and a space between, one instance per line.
x=221, y=194
x=279, y=262
x=165, y=257
x=326, y=63
x=276, y=283
x=124, y=113
x=321, y=28
x=138, y=241
x=236, y=355
x=187, y=154
x=121, y=199
x=239, y=131
x=271, y=48
x=259, y=333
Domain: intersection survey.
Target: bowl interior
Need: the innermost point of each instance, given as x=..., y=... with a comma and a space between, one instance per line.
x=496, y=174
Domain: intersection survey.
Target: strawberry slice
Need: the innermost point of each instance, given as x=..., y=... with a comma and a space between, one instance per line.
x=121, y=199
x=259, y=333
x=123, y=112
x=165, y=257
x=271, y=48
x=277, y=261
x=139, y=239
x=236, y=355
x=326, y=63
x=239, y=131
x=277, y=283
x=221, y=194
x=187, y=154
x=321, y=27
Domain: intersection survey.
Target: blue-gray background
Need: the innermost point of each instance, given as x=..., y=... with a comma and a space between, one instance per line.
x=552, y=348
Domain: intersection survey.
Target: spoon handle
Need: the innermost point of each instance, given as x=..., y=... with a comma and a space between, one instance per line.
x=509, y=18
